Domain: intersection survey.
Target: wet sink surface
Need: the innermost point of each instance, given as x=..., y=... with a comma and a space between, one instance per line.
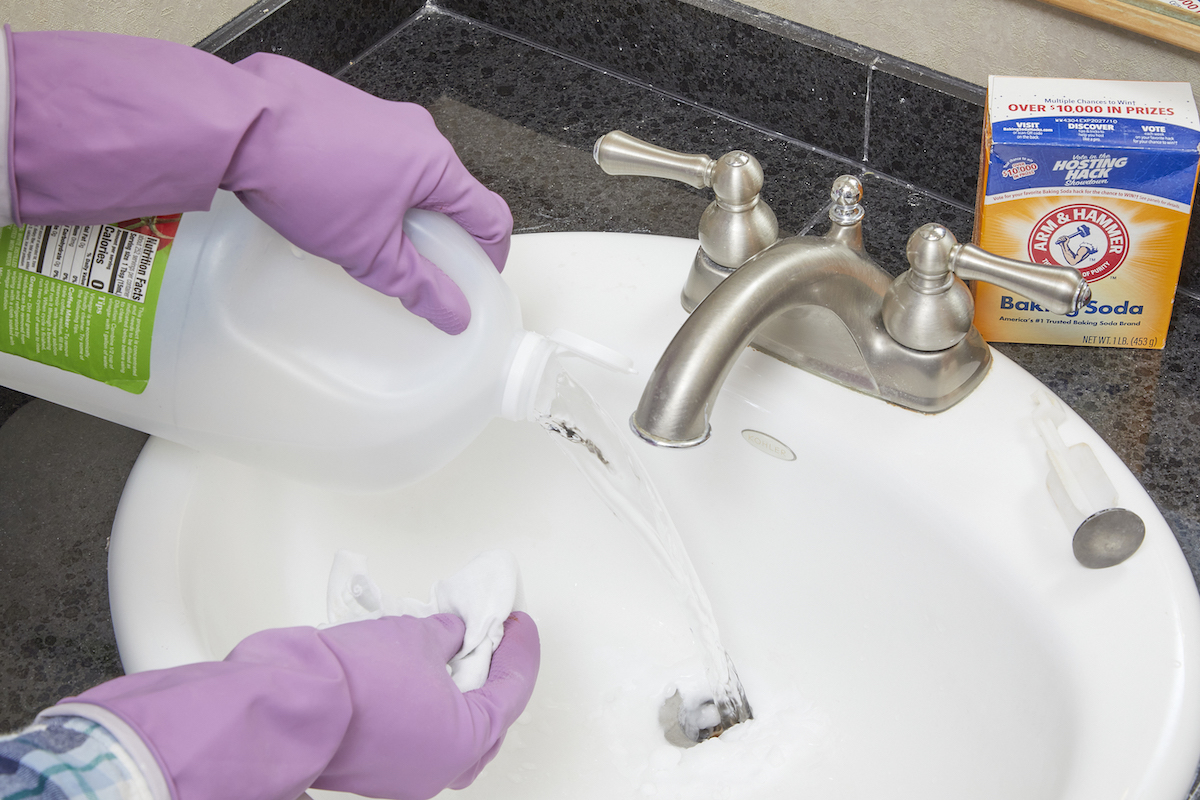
x=901, y=600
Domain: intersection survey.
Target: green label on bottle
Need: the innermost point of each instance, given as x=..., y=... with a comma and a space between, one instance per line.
x=82, y=297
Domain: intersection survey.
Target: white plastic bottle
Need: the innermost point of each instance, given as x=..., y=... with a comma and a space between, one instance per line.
x=275, y=358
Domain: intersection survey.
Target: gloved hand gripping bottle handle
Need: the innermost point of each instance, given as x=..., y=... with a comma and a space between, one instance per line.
x=107, y=128
x=275, y=358
x=260, y=353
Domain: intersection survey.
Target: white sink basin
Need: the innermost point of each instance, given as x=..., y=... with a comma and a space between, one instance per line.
x=901, y=601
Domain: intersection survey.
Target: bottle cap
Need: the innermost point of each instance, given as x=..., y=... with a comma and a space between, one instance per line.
x=532, y=353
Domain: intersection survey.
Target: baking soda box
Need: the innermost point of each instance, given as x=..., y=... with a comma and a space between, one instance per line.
x=1097, y=175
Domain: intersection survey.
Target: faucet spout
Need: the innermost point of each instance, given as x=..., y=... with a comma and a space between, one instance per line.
x=802, y=271
x=822, y=304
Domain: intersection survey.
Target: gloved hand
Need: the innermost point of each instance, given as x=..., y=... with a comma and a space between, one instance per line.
x=366, y=707
x=107, y=128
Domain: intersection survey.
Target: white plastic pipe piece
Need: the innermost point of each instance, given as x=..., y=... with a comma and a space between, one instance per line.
x=1077, y=483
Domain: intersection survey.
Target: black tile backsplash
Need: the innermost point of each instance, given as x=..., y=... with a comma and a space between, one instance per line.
x=924, y=136
x=768, y=81
x=572, y=104
x=321, y=34
x=845, y=106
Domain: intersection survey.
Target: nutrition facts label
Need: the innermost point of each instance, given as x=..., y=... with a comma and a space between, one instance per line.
x=83, y=297
x=101, y=257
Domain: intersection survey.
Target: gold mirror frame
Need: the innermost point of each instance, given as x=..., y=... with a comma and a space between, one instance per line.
x=1154, y=18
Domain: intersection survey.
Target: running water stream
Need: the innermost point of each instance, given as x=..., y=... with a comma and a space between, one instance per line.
x=587, y=435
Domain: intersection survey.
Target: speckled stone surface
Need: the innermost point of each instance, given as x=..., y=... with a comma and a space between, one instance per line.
x=61, y=474
x=703, y=58
x=924, y=136
x=325, y=35
x=441, y=58
x=523, y=117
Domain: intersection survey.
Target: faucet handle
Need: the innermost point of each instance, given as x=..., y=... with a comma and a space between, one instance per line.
x=928, y=308
x=1060, y=289
x=736, y=225
x=618, y=153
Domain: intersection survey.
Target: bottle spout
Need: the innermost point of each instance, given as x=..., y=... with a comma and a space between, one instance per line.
x=534, y=357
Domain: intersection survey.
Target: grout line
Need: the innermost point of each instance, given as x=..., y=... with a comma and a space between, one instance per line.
x=844, y=48
x=815, y=220
x=641, y=84
x=866, y=147
x=426, y=10
x=239, y=25
x=912, y=187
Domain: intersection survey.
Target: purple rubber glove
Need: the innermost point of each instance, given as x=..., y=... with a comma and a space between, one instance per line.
x=366, y=707
x=106, y=128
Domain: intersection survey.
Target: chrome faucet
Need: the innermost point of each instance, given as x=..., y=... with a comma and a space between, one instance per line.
x=819, y=303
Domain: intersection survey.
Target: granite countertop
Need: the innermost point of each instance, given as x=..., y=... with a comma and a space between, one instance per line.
x=523, y=90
